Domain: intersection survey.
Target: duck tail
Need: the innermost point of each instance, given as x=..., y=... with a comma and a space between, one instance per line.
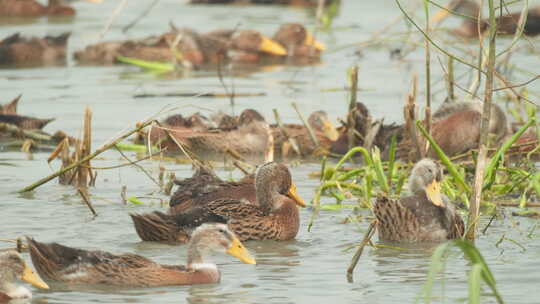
x=158, y=227
x=11, y=108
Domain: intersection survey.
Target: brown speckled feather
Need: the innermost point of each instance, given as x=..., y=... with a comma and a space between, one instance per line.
x=66, y=264
x=11, y=107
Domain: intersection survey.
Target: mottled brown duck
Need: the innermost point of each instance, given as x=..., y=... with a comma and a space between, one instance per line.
x=179, y=126
x=323, y=130
x=33, y=51
x=456, y=128
x=24, y=122
x=425, y=216
x=32, y=8
x=11, y=107
x=276, y=217
x=77, y=266
x=506, y=24
x=298, y=42
x=205, y=187
x=14, y=268
x=252, y=139
x=185, y=46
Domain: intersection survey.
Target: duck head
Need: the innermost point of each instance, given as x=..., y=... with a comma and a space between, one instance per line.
x=426, y=177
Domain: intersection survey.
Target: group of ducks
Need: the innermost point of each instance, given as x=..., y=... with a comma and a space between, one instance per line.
x=291, y=43
x=212, y=215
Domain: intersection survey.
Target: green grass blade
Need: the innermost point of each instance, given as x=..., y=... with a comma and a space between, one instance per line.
x=475, y=278
x=152, y=65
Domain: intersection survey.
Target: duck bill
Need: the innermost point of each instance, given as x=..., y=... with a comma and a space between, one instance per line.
x=271, y=47
x=330, y=131
x=240, y=252
x=294, y=195
x=33, y=278
x=433, y=192
x=310, y=41
x=440, y=16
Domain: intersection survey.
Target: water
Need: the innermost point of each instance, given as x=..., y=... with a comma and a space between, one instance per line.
x=310, y=269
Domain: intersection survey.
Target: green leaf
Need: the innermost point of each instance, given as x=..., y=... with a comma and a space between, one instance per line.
x=152, y=65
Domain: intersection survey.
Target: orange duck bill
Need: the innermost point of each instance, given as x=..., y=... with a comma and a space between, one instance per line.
x=271, y=47
x=33, y=278
x=294, y=195
x=240, y=252
x=310, y=41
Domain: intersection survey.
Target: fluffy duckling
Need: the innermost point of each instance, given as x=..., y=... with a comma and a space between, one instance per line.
x=65, y=264
x=13, y=268
x=275, y=218
x=425, y=216
x=506, y=24
x=33, y=51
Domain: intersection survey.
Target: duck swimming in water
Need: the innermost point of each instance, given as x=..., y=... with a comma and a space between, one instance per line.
x=13, y=268
x=506, y=24
x=424, y=216
x=77, y=266
x=33, y=51
x=276, y=217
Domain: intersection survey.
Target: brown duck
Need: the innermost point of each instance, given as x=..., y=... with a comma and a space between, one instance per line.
x=298, y=42
x=425, y=216
x=506, y=24
x=24, y=122
x=275, y=218
x=190, y=48
x=32, y=8
x=205, y=187
x=33, y=51
x=14, y=268
x=323, y=129
x=77, y=266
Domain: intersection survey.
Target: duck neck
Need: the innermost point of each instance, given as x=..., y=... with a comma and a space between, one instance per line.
x=267, y=197
x=194, y=255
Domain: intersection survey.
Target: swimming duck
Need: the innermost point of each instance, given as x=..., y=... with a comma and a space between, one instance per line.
x=11, y=107
x=32, y=8
x=192, y=49
x=25, y=122
x=205, y=187
x=506, y=24
x=325, y=132
x=298, y=42
x=31, y=51
x=12, y=268
x=71, y=265
x=275, y=218
x=425, y=216
x=253, y=138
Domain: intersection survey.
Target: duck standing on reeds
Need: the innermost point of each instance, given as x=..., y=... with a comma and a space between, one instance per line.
x=506, y=24
x=276, y=217
x=33, y=51
x=425, y=216
x=323, y=130
x=13, y=268
x=77, y=266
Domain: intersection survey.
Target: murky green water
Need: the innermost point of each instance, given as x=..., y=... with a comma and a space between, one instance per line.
x=310, y=269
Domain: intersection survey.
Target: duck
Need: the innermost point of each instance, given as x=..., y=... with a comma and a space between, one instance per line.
x=205, y=187
x=11, y=107
x=176, y=124
x=32, y=8
x=506, y=24
x=323, y=129
x=424, y=216
x=276, y=217
x=61, y=263
x=33, y=51
x=13, y=268
x=25, y=122
x=252, y=138
x=298, y=42
x=193, y=50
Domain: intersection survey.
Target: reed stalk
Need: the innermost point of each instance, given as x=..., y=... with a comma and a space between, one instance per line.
x=474, y=209
x=351, y=121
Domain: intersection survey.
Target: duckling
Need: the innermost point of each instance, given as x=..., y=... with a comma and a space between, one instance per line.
x=325, y=132
x=33, y=51
x=12, y=268
x=425, y=216
x=11, y=107
x=77, y=266
x=275, y=218
x=506, y=24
